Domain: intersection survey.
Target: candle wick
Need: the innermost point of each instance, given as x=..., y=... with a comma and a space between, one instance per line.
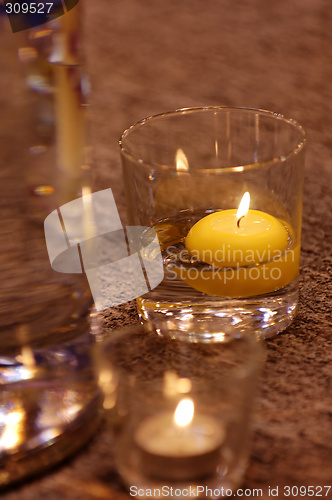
x=238, y=221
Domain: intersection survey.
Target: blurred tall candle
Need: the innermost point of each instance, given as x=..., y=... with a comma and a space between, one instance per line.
x=52, y=59
x=49, y=407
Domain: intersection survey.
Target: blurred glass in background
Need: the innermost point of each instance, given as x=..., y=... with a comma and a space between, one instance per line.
x=48, y=396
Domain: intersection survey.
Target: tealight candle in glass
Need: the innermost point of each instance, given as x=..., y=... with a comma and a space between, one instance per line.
x=223, y=189
x=179, y=412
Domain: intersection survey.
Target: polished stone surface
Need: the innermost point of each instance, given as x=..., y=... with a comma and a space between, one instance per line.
x=154, y=56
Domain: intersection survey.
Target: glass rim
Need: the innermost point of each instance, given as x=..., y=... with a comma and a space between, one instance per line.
x=254, y=358
x=191, y=110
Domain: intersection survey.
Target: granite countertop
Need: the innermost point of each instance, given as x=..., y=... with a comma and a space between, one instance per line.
x=154, y=56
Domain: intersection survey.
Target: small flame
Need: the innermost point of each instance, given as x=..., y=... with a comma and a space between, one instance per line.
x=244, y=206
x=181, y=160
x=184, y=412
x=11, y=434
x=14, y=418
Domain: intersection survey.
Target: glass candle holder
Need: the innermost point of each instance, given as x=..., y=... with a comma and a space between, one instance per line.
x=49, y=398
x=180, y=411
x=223, y=189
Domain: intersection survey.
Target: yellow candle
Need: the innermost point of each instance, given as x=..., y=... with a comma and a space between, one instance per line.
x=248, y=250
x=217, y=240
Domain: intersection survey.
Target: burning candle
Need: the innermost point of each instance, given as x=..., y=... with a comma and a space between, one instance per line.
x=247, y=233
x=180, y=446
x=249, y=248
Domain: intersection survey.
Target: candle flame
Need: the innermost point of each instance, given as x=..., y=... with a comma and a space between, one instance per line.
x=14, y=418
x=244, y=206
x=181, y=160
x=184, y=412
x=11, y=434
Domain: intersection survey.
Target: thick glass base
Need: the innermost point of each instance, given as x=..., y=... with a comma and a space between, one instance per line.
x=208, y=318
x=49, y=408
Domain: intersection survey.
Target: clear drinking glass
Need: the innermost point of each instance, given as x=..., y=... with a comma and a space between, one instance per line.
x=240, y=269
x=179, y=412
x=48, y=400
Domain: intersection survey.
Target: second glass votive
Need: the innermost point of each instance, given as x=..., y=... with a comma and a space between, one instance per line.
x=180, y=412
x=223, y=189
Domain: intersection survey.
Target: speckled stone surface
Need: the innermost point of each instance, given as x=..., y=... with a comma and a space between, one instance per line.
x=157, y=55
